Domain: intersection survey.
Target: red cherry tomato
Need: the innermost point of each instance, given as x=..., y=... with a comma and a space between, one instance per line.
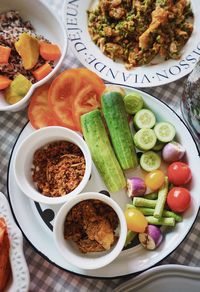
x=178, y=199
x=135, y=220
x=179, y=173
x=154, y=179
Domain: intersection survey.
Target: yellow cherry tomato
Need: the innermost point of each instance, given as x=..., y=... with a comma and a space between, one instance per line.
x=154, y=179
x=135, y=220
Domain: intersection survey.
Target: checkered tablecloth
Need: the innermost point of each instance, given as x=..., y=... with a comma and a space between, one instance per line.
x=46, y=277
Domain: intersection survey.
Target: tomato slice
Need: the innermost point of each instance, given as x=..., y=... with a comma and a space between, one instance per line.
x=93, y=79
x=61, y=94
x=73, y=93
x=86, y=100
x=39, y=113
x=89, y=96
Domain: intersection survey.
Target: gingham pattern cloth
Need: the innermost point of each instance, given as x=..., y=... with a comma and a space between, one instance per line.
x=45, y=276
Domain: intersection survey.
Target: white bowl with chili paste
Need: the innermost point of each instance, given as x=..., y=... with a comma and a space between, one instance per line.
x=35, y=17
x=90, y=230
x=52, y=165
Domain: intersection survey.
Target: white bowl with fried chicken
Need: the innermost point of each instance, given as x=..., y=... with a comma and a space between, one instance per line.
x=37, y=19
x=90, y=230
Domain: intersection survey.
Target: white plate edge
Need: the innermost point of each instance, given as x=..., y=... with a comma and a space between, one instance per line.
x=13, y=230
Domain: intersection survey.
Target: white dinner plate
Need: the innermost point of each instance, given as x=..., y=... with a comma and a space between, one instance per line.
x=20, y=274
x=75, y=20
x=164, y=279
x=36, y=220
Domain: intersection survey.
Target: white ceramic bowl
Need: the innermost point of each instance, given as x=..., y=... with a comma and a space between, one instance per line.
x=70, y=252
x=46, y=24
x=24, y=158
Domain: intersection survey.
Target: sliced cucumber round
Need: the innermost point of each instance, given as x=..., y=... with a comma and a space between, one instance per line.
x=150, y=161
x=145, y=139
x=165, y=131
x=133, y=102
x=144, y=119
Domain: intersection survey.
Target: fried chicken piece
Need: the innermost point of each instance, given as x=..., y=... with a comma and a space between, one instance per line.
x=108, y=4
x=96, y=226
x=107, y=212
x=165, y=3
x=89, y=212
x=117, y=13
x=87, y=245
x=159, y=17
x=73, y=231
x=81, y=213
x=101, y=231
x=91, y=225
x=113, y=50
x=179, y=7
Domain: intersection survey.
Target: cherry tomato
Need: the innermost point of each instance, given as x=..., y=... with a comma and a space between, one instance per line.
x=39, y=112
x=179, y=173
x=154, y=179
x=178, y=199
x=135, y=220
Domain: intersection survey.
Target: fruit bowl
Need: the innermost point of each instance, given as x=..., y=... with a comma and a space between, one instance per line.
x=46, y=24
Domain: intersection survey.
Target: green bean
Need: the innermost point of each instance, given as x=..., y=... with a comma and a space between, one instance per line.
x=161, y=221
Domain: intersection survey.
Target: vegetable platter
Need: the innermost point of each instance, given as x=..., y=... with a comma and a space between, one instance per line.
x=36, y=220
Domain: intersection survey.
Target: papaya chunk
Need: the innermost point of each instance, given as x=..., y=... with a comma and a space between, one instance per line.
x=4, y=54
x=28, y=48
x=18, y=89
x=4, y=82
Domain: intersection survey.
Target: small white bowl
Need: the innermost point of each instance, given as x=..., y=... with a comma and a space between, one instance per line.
x=46, y=24
x=24, y=158
x=68, y=249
